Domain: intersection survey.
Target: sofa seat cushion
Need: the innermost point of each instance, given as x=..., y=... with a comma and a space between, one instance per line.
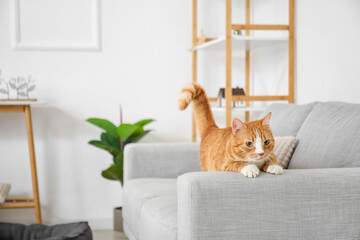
x=329, y=137
x=286, y=119
x=159, y=219
x=137, y=192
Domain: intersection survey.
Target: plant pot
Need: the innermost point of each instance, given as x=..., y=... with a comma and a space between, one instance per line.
x=118, y=220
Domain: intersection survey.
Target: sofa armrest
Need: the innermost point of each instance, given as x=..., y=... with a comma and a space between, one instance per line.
x=160, y=160
x=300, y=204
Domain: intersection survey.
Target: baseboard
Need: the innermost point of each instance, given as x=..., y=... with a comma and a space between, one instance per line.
x=99, y=224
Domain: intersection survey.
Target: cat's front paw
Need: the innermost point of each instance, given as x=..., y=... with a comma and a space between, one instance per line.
x=275, y=169
x=250, y=171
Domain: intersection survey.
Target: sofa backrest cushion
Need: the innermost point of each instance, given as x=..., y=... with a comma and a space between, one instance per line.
x=329, y=137
x=286, y=119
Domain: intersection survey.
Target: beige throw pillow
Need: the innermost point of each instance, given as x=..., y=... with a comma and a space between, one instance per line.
x=284, y=149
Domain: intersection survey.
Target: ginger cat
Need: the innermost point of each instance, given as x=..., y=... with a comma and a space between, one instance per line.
x=244, y=147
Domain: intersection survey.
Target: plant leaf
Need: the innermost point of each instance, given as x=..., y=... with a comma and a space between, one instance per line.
x=119, y=159
x=111, y=140
x=104, y=124
x=144, y=122
x=135, y=138
x=143, y=134
x=137, y=132
x=113, y=151
x=31, y=88
x=3, y=91
x=114, y=172
x=22, y=94
x=125, y=130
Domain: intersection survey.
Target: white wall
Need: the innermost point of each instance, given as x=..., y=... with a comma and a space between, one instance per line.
x=143, y=64
x=328, y=51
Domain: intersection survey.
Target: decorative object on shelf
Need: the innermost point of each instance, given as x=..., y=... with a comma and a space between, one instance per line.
x=236, y=32
x=201, y=38
x=4, y=87
x=235, y=92
x=22, y=86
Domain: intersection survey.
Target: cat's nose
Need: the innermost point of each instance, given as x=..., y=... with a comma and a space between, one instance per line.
x=261, y=154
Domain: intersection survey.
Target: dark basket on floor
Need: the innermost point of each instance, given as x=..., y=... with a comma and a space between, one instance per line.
x=70, y=231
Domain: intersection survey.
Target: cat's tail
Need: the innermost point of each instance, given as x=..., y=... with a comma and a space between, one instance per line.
x=203, y=115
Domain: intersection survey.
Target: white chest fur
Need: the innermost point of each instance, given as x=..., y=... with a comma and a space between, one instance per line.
x=259, y=163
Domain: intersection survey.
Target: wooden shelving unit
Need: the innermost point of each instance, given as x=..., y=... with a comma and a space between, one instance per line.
x=246, y=43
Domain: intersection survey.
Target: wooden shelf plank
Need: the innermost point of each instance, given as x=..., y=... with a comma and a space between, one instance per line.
x=10, y=200
x=239, y=109
x=244, y=43
x=254, y=98
x=260, y=98
x=212, y=99
x=259, y=27
x=20, y=205
x=12, y=108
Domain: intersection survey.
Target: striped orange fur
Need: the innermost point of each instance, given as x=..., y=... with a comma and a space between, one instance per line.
x=244, y=147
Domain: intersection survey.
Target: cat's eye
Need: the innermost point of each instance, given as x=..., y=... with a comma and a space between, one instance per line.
x=249, y=144
x=267, y=142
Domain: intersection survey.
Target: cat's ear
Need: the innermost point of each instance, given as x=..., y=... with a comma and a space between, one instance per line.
x=266, y=119
x=237, y=125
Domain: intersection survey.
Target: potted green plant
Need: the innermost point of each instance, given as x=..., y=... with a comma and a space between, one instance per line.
x=113, y=140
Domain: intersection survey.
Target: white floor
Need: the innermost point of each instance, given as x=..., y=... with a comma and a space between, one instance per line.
x=108, y=235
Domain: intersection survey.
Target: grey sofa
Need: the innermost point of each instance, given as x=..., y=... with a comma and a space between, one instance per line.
x=167, y=197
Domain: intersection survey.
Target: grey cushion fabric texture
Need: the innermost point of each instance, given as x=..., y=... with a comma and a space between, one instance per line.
x=300, y=204
x=159, y=219
x=136, y=193
x=321, y=202
x=166, y=160
x=329, y=137
x=129, y=232
x=286, y=119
